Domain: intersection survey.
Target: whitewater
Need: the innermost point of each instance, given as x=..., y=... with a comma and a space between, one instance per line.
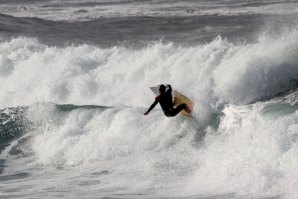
x=74, y=82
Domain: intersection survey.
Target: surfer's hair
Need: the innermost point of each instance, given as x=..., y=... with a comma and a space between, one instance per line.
x=162, y=88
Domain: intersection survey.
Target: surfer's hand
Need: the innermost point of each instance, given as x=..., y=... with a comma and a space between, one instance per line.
x=170, y=87
x=146, y=113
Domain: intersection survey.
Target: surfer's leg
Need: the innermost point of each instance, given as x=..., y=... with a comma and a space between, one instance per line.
x=186, y=108
x=179, y=108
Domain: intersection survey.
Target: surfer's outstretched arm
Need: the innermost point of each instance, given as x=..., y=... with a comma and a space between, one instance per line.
x=151, y=107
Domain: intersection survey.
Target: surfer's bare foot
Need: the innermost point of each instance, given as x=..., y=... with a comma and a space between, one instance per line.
x=188, y=110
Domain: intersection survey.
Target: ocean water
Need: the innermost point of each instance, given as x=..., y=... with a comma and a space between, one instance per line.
x=74, y=84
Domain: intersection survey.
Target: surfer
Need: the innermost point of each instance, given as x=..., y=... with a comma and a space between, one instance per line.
x=166, y=103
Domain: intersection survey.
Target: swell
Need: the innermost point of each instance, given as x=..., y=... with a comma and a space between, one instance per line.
x=138, y=31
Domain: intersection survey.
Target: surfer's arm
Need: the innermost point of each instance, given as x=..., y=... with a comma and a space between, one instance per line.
x=152, y=106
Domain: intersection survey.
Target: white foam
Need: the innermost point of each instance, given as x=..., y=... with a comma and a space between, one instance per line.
x=257, y=71
x=209, y=74
x=148, y=152
x=248, y=155
x=252, y=153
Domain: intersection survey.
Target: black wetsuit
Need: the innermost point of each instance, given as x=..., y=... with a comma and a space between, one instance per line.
x=166, y=103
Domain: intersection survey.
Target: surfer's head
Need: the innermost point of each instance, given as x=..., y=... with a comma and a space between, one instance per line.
x=162, y=88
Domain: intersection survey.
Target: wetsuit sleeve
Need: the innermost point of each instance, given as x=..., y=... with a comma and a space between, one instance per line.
x=153, y=105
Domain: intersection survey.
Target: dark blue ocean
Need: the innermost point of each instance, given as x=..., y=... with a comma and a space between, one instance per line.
x=74, y=84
